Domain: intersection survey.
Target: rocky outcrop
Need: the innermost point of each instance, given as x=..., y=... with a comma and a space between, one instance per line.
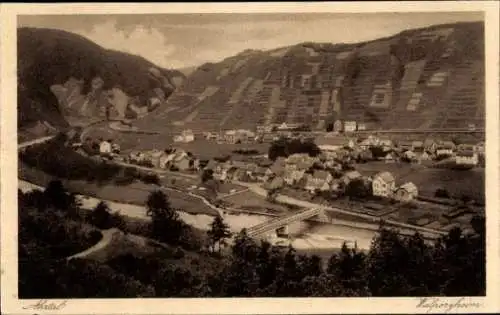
x=63, y=76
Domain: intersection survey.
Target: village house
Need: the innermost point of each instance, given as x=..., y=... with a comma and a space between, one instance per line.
x=211, y=165
x=319, y=180
x=244, y=175
x=369, y=142
x=105, y=147
x=155, y=157
x=220, y=172
x=465, y=147
x=332, y=144
x=165, y=159
x=335, y=185
x=230, y=174
x=406, y=192
x=350, y=126
x=210, y=135
x=195, y=164
x=264, y=128
x=230, y=136
x=115, y=148
x=479, y=147
x=337, y=126
x=467, y=158
x=365, y=144
x=410, y=155
x=277, y=168
x=430, y=145
x=299, y=162
x=266, y=138
x=259, y=173
x=76, y=145
x=186, y=136
x=417, y=146
x=285, y=126
x=445, y=148
x=332, y=165
x=349, y=177
x=136, y=157
x=383, y=184
x=425, y=156
x=386, y=144
x=276, y=182
x=182, y=162
x=405, y=145
x=389, y=158
x=237, y=170
x=292, y=177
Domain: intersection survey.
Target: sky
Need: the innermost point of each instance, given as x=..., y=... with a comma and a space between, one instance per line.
x=186, y=40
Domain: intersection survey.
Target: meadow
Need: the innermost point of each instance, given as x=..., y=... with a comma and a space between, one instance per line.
x=428, y=180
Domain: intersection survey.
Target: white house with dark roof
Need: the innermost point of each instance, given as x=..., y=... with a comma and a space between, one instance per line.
x=389, y=158
x=320, y=180
x=105, y=147
x=467, y=158
x=406, y=192
x=445, y=148
x=383, y=184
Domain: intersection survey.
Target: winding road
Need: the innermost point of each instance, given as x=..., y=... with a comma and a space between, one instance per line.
x=107, y=238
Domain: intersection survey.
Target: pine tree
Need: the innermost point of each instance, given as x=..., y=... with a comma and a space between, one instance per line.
x=218, y=233
x=101, y=216
x=166, y=225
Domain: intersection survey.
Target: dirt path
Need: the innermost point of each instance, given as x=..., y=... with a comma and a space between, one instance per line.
x=97, y=249
x=33, y=142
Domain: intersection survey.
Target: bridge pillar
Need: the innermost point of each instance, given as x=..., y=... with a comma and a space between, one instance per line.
x=282, y=231
x=324, y=217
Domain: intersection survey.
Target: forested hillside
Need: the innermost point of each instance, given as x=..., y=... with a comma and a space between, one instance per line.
x=63, y=77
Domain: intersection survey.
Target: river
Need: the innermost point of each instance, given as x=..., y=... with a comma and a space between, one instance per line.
x=312, y=237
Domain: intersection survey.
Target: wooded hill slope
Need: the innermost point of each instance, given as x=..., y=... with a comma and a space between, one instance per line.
x=64, y=77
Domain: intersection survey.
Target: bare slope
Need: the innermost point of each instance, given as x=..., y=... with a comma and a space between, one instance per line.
x=64, y=77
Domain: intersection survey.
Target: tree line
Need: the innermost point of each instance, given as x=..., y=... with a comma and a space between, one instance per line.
x=218, y=264
x=285, y=147
x=55, y=158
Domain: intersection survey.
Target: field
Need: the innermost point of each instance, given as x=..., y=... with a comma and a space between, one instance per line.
x=178, y=181
x=201, y=148
x=248, y=200
x=135, y=193
x=456, y=182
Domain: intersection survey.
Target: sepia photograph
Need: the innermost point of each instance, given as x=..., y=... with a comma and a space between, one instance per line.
x=251, y=155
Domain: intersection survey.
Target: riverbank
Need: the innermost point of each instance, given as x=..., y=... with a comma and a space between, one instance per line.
x=304, y=235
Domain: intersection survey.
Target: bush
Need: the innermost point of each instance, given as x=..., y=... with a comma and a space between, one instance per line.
x=95, y=236
x=151, y=179
x=145, y=163
x=246, y=151
x=441, y=193
x=124, y=181
x=179, y=253
x=286, y=147
x=358, y=189
x=222, y=159
x=207, y=175
x=53, y=158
